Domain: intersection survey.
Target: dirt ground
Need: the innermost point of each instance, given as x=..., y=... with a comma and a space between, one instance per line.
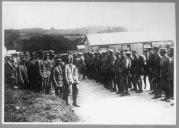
x=27, y=106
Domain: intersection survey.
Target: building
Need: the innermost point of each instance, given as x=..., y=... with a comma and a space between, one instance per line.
x=81, y=48
x=135, y=40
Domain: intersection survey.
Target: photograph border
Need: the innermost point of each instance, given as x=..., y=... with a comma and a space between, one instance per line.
x=76, y=124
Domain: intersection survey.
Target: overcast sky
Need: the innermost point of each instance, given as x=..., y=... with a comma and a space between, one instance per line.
x=65, y=15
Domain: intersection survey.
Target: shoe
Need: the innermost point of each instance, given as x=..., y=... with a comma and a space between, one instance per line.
x=167, y=100
x=133, y=89
x=125, y=94
x=156, y=97
x=139, y=91
x=112, y=90
x=152, y=93
x=118, y=92
x=76, y=105
x=163, y=99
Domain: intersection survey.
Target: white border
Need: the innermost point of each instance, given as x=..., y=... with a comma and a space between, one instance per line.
x=76, y=123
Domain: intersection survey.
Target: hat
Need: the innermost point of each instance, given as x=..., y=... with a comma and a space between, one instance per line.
x=110, y=50
x=51, y=51
x=155, y=48
x=163, y=49
x=171, y=47
x=8, y=55
x=128, y=52
x=77, y=59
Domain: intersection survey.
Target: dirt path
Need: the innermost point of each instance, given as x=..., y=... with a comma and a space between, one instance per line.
x=98, y=105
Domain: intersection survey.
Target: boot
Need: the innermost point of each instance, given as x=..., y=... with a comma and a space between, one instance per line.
x=67, y=102
x=74, y=102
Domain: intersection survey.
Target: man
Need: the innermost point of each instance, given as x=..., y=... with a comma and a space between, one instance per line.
x=51, y=66
x=112, y=59
x=22, y=75
x=75, y=82
x=171, y=70
x=117, y=72
x=82, y=65
x=164, y=70
x=136, y=72
x=58, y=79
x=33, y=71
x=10, y=72
x=44, y=73
x=38, y=65
x=68, y=79
x=155, y=69
x=124, y=67
x=146, y=67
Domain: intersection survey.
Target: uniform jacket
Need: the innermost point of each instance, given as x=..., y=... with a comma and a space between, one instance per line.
x=68, y=74
x=164, y=67
x=156, y=65
x=74, y=73
x=58, y=76
x=22, y=75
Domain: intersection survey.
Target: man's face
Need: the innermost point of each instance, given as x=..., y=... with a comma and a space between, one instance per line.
x=123, y=54
x=162, y=53
x=170, y=52
x=155, y=51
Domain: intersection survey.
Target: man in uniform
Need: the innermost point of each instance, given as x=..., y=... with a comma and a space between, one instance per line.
x=171, y=70
x=22, y=75
x=146, y=67
x=156, y=81
x=82, y=65
x=117, y=72
x=75, y=83
x=136, y=72
x=68, y=79
x=38, y=65
x=111, y=75
x=58, y=78
x=52, y=66
x=33, y=71
x=10, y=72
x=164, y=73
x=125, y=67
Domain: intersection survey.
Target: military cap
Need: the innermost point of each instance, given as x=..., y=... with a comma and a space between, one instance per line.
x=163, y=50
x=77, y=59
x=90, y=52
x=171, y=47
x=47, y=54
x=110, y=50
x=128, y=52
x=155, y=48
x=80, y=53
x=133, y=51
x=51, y=51
x=8, y=55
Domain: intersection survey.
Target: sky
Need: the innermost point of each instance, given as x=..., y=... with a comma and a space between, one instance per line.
x=68, y=15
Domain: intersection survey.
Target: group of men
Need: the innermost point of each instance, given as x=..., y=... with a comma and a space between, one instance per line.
x=121, y=70
x=43, y=71
x=117, y=71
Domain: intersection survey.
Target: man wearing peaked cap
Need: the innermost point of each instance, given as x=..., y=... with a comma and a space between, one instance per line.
x=155, y=70
x=171, y=70
x=164, y=69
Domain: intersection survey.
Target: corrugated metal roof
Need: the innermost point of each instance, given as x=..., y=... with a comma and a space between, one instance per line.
x=128, y=37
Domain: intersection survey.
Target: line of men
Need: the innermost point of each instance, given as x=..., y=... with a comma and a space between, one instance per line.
x=121, y=70
x=43, y=72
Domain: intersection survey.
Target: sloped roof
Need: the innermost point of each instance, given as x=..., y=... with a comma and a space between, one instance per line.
x=128, y=37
